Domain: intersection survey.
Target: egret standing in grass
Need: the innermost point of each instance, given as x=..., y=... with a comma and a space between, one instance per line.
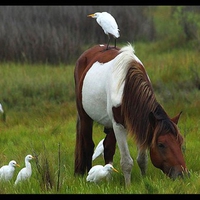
x=3, y=113
x=99, y=151
x=25, y=173
x=1, y=108
x=108, y=24
x=98, y=173
x=7, y=171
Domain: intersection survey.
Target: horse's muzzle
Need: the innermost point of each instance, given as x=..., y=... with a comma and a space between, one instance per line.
x=175, y=173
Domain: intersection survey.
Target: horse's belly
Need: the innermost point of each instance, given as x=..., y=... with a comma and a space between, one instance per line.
x=94, y=94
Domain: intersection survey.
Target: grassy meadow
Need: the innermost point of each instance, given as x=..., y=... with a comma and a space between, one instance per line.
x=39, y=103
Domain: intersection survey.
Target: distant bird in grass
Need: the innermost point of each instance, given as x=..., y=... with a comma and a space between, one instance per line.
x=98, y=173
x=7, y=171
x=3, y=113
x=99, y=150
x=108, y=24
x=1, y=108
x=25, y=173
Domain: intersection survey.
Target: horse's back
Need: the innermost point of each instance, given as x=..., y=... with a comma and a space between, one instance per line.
x=90, y=56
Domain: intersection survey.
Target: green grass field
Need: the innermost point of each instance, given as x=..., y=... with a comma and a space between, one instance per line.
x=39, y=102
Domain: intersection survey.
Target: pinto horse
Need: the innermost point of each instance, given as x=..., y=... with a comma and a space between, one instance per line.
x=113, y=89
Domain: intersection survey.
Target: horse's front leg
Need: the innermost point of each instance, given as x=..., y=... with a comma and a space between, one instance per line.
x=84, y=145
x=109, y=144
x=142, y=159
x=126, y=160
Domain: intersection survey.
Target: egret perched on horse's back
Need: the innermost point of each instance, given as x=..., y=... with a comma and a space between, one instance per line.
x=7, y=171
x=108, y=24
x=98, y=173
x=25, y=173
x=99, y=150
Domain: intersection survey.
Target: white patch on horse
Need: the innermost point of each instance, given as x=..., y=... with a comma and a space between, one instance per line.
x=94, y=92
x=103, y=86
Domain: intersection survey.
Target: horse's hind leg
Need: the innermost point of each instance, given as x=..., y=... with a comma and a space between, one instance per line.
x=109, y=145
x=84, y=145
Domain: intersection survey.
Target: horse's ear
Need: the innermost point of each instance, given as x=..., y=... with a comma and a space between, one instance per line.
x=152, y=120
x=176, y=118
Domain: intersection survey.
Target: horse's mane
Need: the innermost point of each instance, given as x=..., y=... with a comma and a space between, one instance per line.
x=122, y=63
x=138, y=100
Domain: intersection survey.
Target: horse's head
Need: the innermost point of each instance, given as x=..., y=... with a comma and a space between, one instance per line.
x=166, y=148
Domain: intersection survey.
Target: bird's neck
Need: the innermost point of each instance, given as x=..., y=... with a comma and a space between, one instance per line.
x=28, y=164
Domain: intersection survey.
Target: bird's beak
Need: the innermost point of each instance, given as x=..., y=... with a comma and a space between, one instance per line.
x=33, y=157
x=17, y=165
x=91, y=15
x=115, y=170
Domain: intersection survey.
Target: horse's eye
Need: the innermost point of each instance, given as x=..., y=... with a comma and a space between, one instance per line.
x=161, y=145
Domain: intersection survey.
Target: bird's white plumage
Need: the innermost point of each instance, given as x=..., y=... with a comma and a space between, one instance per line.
x=108, y=24
x=1, y=108
x=98, y=173
x=7, y=171
x=25, y=173
x=99, y=150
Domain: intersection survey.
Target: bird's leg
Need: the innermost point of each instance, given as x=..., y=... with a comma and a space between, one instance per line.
x=108, y=42
x=115, y=42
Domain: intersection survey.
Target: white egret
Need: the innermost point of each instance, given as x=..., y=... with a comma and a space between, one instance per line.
x=98, y=173
x=25, y=173
x=99, y=150
x=108, y=24
x=7, y=171
x=1, y=108
x=3, y=113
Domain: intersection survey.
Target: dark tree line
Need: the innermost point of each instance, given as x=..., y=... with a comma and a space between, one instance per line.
x=56, y=34
x=59, y=34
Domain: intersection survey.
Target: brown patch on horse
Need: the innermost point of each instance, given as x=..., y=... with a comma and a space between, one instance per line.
x=118, y=115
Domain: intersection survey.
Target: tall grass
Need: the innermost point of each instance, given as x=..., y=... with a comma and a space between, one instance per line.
x=39, y=102
x=21, y=85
